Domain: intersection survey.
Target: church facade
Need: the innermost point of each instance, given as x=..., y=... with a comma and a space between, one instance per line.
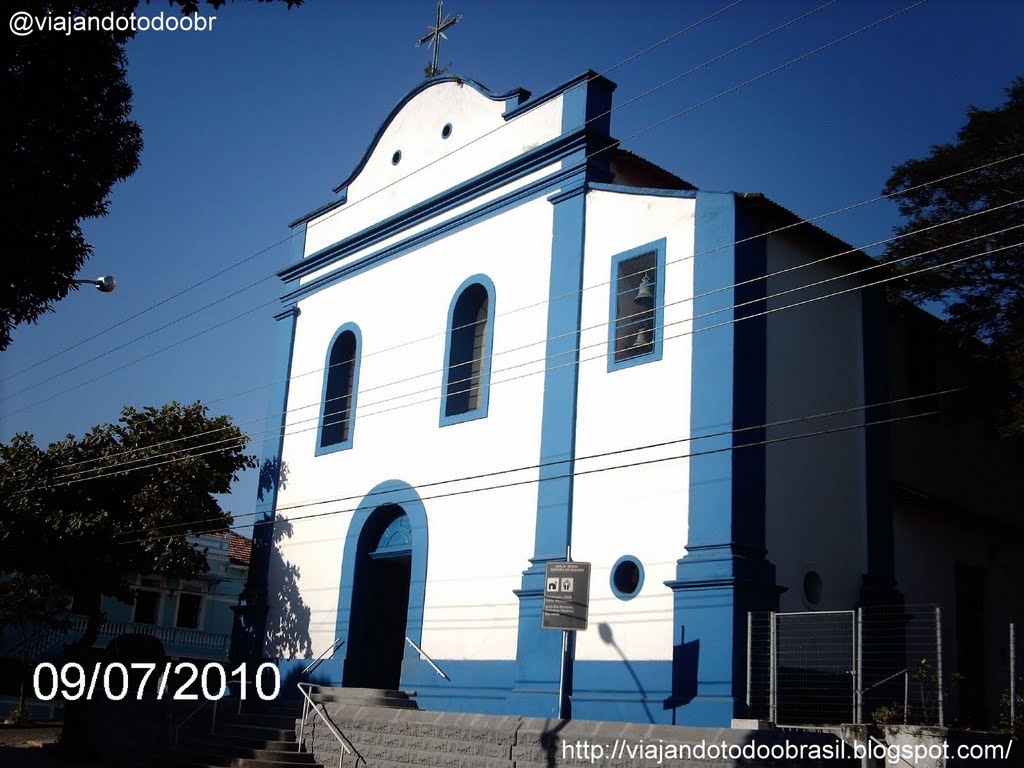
x=507, y=340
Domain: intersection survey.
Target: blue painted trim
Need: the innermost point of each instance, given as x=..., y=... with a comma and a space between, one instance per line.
x=538, y=652
x=463, y=221
x=339, y=200
x=517, y=93
x=583, y=78
x=347, y=442
x=658, y=247
x=640, y=582
x=398, y=493
x=724, y=573
x=597, y=186
x=250, y=637
x=879, y=583
x=480, y=412
x=546, y=154
x=297, y=244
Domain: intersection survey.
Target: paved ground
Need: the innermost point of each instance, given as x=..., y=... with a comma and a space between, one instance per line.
x=32, y=747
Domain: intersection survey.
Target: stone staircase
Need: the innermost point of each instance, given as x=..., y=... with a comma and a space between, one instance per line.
x=262, y=739
x=386, y=730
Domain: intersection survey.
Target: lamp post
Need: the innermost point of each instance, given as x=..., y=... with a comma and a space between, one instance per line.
x=104, y=283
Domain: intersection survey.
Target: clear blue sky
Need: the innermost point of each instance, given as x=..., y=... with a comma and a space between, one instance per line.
x=251, y=124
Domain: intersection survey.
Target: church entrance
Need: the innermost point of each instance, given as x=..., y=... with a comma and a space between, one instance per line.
x=380, y=601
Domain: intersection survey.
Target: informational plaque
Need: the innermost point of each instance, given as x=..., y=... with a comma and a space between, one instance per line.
x=566, y=596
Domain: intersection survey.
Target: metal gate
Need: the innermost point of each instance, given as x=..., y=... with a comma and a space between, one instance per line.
x=830, y=667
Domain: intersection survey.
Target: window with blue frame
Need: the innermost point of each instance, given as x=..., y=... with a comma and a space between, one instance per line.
x=340, y=383
x=637, y=299
x=468, y=352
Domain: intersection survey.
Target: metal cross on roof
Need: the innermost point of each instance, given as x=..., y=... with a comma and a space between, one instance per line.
x=434, y=37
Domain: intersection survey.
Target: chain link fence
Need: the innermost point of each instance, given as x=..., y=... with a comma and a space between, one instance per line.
x=879, y=664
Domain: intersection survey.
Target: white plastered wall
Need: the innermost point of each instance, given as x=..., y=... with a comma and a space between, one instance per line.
x=641, y=510
x=479, y=543
x=481, y=139
x=815, y=505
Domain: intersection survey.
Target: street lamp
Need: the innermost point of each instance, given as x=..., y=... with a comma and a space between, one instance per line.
x=104, y=283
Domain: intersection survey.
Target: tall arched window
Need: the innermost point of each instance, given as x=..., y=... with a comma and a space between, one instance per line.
x=341, y=383
x=468, y=351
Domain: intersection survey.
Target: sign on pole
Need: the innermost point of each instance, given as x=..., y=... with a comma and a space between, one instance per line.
x=566, y=596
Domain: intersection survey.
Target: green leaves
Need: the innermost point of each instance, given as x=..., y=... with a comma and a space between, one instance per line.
x=983, y=296
x=121, y=500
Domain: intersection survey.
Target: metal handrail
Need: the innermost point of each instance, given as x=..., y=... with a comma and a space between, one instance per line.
x=345, y=743
x=426, y=658
x=193, y=713
x=320, y=659
x=213, y=719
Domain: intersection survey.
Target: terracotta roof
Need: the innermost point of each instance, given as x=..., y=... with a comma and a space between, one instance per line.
x=239, y=549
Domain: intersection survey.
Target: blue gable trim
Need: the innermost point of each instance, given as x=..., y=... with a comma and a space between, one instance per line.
x=581, y=79
x=518, y=95
x=598, y=186
x=347, y=442
x=658, y=247
x=480, y=412
x=444, y=229
x=546, y=154
x=340, y=200
x=403, y=495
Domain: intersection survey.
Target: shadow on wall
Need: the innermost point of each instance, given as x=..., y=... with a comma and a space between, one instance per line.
x=605, y=632
x=288, y=618
x=685, y=659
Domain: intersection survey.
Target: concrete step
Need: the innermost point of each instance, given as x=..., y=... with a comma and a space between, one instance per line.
x=400, y=753
x=366, y=697
x=256, y=731
x=486, y=748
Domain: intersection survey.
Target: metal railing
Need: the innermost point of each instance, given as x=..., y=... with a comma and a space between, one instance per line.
x=321, y=658
x=307, y=704
x=216, y=702
x=426, y=658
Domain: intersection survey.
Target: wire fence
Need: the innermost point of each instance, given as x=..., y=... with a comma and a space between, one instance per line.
x=881, y=664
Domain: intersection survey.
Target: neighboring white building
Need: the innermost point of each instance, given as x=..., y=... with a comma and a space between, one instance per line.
x=506, y=336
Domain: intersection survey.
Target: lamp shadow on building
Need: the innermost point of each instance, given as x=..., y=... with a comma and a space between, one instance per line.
x=604, y=631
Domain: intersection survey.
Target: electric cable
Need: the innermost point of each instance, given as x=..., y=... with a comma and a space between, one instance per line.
x=244, y=440
x=180, y=453
x=678, y=114
x=267, y=249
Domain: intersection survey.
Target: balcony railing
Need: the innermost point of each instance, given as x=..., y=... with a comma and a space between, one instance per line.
x=170, y=637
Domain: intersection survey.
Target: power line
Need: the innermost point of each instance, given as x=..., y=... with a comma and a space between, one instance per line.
x=268, y=248
x=734, y=88
x=530, y=481
x=110, y=471
x=182, y=453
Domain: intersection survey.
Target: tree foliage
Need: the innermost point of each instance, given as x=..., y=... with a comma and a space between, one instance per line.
x=983, y=296
x=70, y=138
x=88, y=512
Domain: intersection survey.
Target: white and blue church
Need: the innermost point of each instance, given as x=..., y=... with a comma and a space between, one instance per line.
x=507, y=339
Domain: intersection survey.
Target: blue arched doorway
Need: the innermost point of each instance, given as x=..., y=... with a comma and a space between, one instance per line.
x=382, y=586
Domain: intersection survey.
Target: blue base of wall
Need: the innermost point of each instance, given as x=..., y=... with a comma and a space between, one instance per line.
x=618, y=691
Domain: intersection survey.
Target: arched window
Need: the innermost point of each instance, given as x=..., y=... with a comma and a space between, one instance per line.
x=468, y=352
x=341, y=382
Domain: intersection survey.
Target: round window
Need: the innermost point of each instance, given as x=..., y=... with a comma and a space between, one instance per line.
x=627, y=577
x=397, y=157
x=813, y=589
x=446, y=131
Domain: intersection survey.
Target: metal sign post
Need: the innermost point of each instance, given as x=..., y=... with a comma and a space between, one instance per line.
x=566, y=607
